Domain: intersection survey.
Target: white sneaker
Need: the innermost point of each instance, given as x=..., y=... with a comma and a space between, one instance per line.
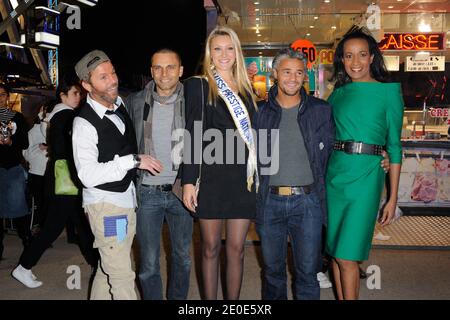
x=26, y=277
x=324, y=282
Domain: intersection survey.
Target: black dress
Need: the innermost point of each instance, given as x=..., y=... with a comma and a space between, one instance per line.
x=223, y=190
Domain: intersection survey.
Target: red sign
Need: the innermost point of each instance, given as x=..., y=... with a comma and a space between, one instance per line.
x=439, y=113
x=307, y=48
x=412, y=41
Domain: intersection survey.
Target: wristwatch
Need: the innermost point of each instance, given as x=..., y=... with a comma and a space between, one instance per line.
x=137, y=161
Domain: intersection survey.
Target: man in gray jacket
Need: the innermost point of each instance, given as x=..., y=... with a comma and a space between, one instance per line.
x=157, y=111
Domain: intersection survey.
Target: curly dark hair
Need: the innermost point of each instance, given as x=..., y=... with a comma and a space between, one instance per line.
x=377, y=68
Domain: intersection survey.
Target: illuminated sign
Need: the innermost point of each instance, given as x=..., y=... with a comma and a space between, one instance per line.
x=412, y=41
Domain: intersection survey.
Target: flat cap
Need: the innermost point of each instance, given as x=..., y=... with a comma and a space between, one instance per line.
x=89, y=62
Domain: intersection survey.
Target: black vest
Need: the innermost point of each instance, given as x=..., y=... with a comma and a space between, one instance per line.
x=112, y=142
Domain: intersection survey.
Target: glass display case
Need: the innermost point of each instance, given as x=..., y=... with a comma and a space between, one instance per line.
x=425, y=174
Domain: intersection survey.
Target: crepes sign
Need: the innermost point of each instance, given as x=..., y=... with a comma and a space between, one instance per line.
x=440, y=113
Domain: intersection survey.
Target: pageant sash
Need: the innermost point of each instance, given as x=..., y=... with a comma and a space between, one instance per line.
x=241, y=119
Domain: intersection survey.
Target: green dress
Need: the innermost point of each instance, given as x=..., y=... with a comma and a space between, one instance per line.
x=371, y=112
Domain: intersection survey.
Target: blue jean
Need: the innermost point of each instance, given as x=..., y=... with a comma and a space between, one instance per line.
x=13, y=202
x=154, y=207
x=300, y=218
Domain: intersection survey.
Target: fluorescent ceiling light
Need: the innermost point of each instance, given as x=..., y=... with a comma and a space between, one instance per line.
x=11, y=45
x=47, y=38
x=47, y=9
x=424, y=27
x=48, y=46
x=89, y=3
x=14, y=3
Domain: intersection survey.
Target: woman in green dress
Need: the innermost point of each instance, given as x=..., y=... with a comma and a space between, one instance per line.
x=366, y=109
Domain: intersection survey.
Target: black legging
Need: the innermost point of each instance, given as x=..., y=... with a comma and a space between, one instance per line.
x=60, y=209
x=22, y=225
x=36, y=187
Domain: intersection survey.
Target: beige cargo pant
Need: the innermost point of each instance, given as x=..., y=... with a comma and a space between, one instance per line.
x=115, y=278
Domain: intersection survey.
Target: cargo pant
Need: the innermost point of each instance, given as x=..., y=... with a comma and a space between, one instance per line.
x=114, y=229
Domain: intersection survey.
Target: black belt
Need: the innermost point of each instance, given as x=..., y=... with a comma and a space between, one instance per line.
x=358, y=147
x=291, y=191
x=162, y=187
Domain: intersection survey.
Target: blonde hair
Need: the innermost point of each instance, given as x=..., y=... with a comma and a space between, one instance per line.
x=239, y=71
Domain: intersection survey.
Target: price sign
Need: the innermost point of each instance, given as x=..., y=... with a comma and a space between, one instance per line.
x=308, y=49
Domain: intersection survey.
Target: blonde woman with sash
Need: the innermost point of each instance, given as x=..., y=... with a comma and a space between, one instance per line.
x=229, y=180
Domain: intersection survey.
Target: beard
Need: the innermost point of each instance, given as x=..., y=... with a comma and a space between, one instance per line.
x=108, y=95
x=290, y=93
x=109, y=98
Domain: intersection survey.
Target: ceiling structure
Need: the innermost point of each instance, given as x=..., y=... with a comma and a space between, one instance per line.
x=266, y=24
x=26, y=26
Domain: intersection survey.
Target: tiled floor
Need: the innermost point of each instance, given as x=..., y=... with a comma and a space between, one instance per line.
x=416, y=232
x=409, y=232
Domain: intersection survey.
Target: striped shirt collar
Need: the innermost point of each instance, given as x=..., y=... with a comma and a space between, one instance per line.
x=6, y=114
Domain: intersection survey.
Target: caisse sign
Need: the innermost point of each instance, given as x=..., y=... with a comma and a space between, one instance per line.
x=413, y=41
x=307, y=48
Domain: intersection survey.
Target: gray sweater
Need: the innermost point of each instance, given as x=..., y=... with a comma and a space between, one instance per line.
x=140, y=108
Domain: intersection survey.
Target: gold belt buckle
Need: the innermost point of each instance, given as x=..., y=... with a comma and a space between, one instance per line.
x=284, y=191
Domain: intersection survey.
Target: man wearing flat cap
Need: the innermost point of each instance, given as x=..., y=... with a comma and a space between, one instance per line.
x=105, y=153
